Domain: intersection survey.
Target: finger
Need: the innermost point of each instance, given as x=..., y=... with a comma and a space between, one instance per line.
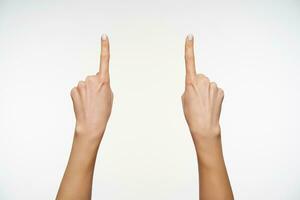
x=190, y=58
x=91, y=78
x=81, y=87
x=220, y=97
x=213, y=91
x=104, y=57
x=76, y=100
x=75, y=95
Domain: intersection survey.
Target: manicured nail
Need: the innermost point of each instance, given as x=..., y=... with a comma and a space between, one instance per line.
x=190, y=36
x=103, y=36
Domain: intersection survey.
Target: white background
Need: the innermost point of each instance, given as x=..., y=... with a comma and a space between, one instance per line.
x=250, y=48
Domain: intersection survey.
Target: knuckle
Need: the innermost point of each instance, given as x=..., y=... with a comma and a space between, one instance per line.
x=221, y=92
x=202, y=77
x=189, y=56
x=104, y=80
x=189, y=82
x=189, y=45
x=89, y=78
x=183, y=94
x=213, y=85
x=105, y=55
x=73, y=91
x=183, y=97
x=81, y=84
x=206, y=80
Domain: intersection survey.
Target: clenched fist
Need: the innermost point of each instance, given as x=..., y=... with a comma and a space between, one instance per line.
x=93, y=98
x=201, y=99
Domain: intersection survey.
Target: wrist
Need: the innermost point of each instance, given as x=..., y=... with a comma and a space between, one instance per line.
x=86, y=141
x=88, y=134
x=209, y=151
x=83, y=154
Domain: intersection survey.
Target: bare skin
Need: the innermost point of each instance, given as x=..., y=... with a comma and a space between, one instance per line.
x=202, y=101
x=92, y=101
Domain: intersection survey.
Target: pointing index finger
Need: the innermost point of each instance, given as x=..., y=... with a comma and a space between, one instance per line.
x=104, y=56
x=190, y=58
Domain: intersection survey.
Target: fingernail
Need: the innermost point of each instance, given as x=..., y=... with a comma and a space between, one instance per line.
x=103, y=36
x=190, y=36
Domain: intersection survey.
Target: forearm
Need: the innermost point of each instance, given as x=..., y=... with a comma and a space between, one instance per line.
x=78, y=177
x=92, y=102
x=213, y=178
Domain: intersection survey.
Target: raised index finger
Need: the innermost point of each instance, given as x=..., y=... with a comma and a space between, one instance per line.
x=190, y=58
x=104, y=57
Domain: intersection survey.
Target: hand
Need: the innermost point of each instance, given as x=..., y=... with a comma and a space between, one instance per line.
x=201, y=99
x=93, y=98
